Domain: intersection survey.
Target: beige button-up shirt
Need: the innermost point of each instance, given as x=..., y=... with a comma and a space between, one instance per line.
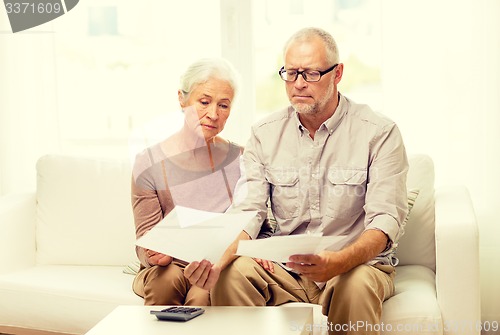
x=350, y=178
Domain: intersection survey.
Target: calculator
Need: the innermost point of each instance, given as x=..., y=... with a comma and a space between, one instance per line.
x=178, y=313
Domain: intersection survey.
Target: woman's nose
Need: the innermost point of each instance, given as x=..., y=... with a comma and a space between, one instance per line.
x=212, y=112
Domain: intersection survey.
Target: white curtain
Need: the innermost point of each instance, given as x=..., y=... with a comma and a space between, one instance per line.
x=441, y=78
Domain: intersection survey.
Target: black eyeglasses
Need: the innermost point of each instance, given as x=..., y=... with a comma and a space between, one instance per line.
x=308, y=75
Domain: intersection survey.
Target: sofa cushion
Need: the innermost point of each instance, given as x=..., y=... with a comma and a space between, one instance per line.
x=53, y=297
x=417, y=245
x=412, y=197
x=415, y=284
x=84, y=214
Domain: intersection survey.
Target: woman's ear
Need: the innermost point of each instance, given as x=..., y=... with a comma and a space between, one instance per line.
x=180, y=96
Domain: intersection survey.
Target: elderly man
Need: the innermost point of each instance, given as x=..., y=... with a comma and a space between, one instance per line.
x=328, y=166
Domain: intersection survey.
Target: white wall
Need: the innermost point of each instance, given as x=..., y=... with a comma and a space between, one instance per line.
x=441, y=78
x=28, y=113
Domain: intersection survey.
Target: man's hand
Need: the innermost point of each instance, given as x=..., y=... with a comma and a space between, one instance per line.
x=321, y=267
x=156, y=258
x=328, y=264
x=267, y=265
x=202, y=274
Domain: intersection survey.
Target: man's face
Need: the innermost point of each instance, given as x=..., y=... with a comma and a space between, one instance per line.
x=311, y=97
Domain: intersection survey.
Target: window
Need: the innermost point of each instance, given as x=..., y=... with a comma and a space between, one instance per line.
x=119, y=63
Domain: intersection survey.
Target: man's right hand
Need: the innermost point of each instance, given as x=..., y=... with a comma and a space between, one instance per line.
x=156, y=258
x=267, y=265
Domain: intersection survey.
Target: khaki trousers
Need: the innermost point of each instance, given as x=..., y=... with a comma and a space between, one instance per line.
x=352, y=301
x=166, y=285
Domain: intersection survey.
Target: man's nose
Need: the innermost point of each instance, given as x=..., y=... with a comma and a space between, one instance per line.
x=300, y=82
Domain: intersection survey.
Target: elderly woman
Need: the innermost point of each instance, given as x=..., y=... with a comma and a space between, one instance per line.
x=193, y=168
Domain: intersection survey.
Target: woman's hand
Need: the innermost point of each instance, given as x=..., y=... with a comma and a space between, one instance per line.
x=156, y=258
x=202, y=274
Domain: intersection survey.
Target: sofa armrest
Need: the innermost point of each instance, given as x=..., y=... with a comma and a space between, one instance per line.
x=457, y=261
x=17, y=227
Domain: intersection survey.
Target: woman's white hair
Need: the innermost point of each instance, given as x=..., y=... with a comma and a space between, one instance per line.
x=205, y=69
x=332, y=51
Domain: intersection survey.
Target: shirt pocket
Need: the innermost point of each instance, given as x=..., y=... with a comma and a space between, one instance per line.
x=284, y=192
x=346, y=189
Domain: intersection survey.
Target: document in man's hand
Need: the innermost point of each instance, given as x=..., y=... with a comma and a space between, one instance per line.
x=194, y=235
x=280, y=248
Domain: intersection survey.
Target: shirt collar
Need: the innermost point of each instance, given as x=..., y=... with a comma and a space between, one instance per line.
x=333, y=122
x=302, y=130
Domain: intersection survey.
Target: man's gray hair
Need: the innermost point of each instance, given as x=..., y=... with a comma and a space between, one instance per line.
x=332, y=51
x=206, y=68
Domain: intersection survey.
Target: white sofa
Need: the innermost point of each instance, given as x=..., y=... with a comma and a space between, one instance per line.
x=63, y=251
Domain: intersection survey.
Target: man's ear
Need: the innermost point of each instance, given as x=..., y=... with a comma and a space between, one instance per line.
x=180, y=96
x=339, y=70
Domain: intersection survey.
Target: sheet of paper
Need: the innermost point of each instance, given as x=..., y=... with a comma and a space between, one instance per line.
x=280, y=248
x=193, y=235
x=185, y=217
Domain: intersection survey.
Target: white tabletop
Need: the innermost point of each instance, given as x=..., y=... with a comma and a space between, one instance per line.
x=134, y=320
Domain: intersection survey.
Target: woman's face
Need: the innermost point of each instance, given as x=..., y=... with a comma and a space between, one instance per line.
x=212, y=102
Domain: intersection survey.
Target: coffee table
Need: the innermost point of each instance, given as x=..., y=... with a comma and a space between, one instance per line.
x=134, y=320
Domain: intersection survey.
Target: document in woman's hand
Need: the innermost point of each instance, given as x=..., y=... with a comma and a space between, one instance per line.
x=193, y=235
